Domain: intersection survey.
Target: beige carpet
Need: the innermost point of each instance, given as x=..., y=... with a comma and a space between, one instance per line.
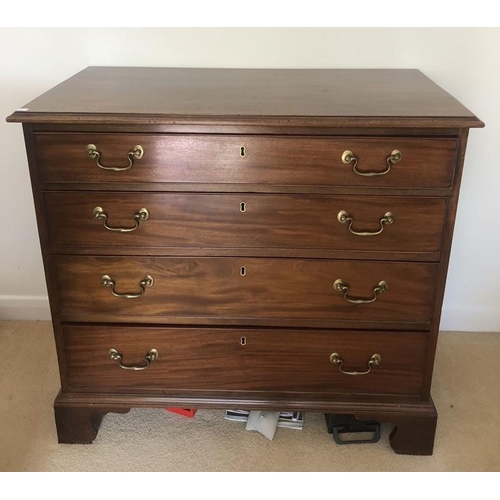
x=466, y=391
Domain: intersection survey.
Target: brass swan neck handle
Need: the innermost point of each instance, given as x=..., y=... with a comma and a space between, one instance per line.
x=151, y=356
x=349, y=157
x=141, y=215
x=344, y=218
x=136, y=153
x=343, y=288
x=147, y=281
x=336, y=359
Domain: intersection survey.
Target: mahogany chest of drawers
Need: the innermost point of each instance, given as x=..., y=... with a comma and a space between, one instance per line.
x=252, y=239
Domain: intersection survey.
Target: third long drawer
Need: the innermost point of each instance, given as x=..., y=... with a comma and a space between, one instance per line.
x=138, y=288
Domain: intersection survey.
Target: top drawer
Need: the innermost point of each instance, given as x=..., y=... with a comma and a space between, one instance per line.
x=334, y=161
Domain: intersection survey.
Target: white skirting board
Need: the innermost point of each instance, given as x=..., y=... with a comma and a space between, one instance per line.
x=27, y=307
x=469, y=318
x=454, y=318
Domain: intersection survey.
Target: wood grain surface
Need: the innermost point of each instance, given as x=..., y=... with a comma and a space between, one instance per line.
x=189, y=220
x=270, y=360
x=182, y=95
x=268, y=160
x=272, y=288
x=243, y=178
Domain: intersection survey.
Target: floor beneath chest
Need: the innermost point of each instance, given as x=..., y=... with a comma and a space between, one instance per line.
x=466, y=391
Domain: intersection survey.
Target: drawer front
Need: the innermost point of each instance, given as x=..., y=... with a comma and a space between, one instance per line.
x=244, y=288
x=246, y=160
x=244, y=360
x=246, y=221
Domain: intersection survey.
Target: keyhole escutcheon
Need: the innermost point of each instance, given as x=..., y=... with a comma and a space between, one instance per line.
x=242, y=151
x=243, y=341
x=243, y=271
x=243, y=207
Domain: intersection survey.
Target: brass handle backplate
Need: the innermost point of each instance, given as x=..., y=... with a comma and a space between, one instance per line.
x=336, y=359
x=148, y=281
x=151, y=356
x=349, y=157
x=134, y=154
x=141, y=215
x=343, y=288
x=344, y=218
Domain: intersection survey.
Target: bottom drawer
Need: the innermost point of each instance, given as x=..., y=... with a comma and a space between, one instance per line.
x=208, y=359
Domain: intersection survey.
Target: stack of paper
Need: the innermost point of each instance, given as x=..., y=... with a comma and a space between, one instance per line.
x=289, y=419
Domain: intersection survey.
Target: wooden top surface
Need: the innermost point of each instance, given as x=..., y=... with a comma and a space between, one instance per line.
x=328, y=97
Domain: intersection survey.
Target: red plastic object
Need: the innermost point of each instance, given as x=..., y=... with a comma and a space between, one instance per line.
x=187, y=412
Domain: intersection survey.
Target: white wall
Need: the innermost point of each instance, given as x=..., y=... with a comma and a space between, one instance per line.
x=465, y=62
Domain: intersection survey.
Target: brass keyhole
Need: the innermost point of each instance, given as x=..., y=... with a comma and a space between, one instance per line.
x=243, y=207
x=243, y=341
x=242, y=151
x=243, y=271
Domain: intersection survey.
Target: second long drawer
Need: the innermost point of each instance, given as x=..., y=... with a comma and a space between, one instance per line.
x=374, y=223
x=130, y=288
